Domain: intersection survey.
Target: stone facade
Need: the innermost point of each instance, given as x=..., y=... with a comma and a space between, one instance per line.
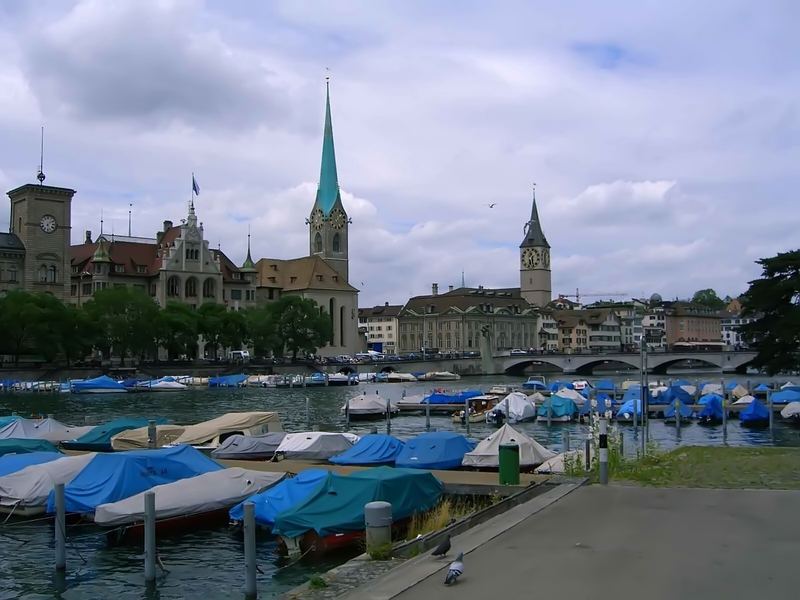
x=690, y=325
x=534, y=255
x=381, y=327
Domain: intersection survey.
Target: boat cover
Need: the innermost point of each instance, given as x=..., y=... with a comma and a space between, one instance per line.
x=791, y=410
x=104, y=382
x=249, y=447
x=683, y=409
x=371, y=449
x=32, y=485
x=710, y=388
x=745, y=400
x=754, y=412
x=99, y=438
x=633, y=392
x=337, y=506
x=706, y=398
x=730, y=386
x=5, y=420
x=112, y=477
x=672, y=393
x=605, y=385
x=287, y=494
x=519, y=407
x=367, y=404
x=534, y=384
x=236, y=422
x=434, y=450
x=195, y=495
x=136, y=439
x=600, y=403
x=227, y=380
x=762, y=387
x=785, y=396
x=21, y=446
x=41, y=429
x=558, y=384
x=486, y=453
x=454, y=398
x=712, y=407
x=163, y=384
x=577, y=397
x=739, y=391
x=315, y=445
x=11, y=463
x=627, y=408
x=558, y=407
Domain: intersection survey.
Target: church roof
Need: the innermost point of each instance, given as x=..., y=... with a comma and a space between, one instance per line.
x=534, y=236
x=466, y=298
x=298, y=274
x=10, y=241
x=328, y=190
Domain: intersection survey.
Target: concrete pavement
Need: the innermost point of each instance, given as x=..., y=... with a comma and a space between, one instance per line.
x=625, y=543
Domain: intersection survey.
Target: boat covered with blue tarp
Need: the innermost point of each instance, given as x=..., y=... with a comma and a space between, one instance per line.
x=11, y=463
x=762, y=387
x=558, y=408
x=227, y=381
x=337, y=506
x=371, y=449
x=605, y=385
x=452, y=398
x=706, y=398
x=5, y=420
x=23, y=446
x=626, y=411
x=755, y=414
x=672, y=393
x=785, y=396
x=98, y=385
x=559, y=385
x=284, y=496
x=671, y=410
x=112, y=477
x=601, y=403
x=98, y=439
x=434, y=450
x=711, y=412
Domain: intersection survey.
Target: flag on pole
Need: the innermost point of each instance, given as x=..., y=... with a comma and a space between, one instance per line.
x=195, y=187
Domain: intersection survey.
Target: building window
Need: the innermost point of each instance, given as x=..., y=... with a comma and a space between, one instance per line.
x=51, y=274
x=173, y=287
x=292, y=279
x=74, y=269
x=318, y=243
x=271, y=279
x=319, y=277
x=335, y=245
x=42, y=274
x=119, y=268
x=141, y=269
x=86, y=289
x=236, y=294
x=209, y=289
x=271, y=294
x=73, y=290
x=191, y=287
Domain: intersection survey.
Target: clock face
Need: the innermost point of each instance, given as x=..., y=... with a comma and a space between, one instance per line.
x=338, y=219
x=546, y=258
x=48, y=223
x=531, y=258
x=316, y=219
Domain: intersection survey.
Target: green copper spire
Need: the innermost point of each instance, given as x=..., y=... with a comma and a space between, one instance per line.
x=328, y=190
x=249, y=266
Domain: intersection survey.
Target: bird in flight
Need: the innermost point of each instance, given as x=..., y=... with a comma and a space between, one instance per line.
x=492, y=204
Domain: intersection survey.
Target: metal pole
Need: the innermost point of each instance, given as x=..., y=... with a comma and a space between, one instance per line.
x=152, y=434
x=549, y=410
x=428, y=415
x=724, y=414
x=565, y=440
x=603, y=450
x=588, y=453
x=622, y=444
x=347, y=412
x=678, y=418
x=466, y=414
x=646, y=436
x=149, y=536
x=250, y=589
x=388, y=417
x=308, y=414
x=771, y=413
x=61, y=529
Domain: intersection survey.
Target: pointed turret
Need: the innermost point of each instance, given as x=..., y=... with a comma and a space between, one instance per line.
x=328, y=190
x=534, y=236
x=249, y=266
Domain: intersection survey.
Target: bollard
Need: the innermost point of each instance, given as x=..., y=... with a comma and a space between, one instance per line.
x=466, y=415
x=347, y=412
x=603, y=450
x=388, y=417
x=149, y=536
x=378, y=522
x=565, y=440
x=152, y=434
x=427, y=416
x=588, y=453
x=308, y=413
x=61, y=529
x=250, y=589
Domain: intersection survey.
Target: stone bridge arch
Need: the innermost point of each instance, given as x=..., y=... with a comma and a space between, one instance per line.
x=517, y=367
x=588, y=365
x=660, y=367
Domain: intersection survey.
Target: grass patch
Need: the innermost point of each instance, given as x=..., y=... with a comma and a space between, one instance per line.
x=383, y=552
x=316, y=582
x=443, y=514
x=717, y=467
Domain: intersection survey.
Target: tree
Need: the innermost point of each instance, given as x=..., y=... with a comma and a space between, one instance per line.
x=178, y=330
x=774, y=302
x=262, y=328
x=234, y=330
x=20, y=321
x=300, y=324
x=77, y=333
x=709, y=299
x=211, y=324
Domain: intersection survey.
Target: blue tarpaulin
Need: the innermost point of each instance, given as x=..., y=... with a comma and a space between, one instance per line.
x=729, y=387
x=626, y=410
x=557, y=406
x=754, y=413
x=371, y=449
x=762, y=387
x=454, y=398
x=558, y=385
x=112, y=477
x=705, y=399
x=785, y=396
x=8, y=419
x=99, y=438
x=684, y=410
x=434, y=450
x=712, y=408
x=104, y=382
x=287, y=494
x=227, y=380
x=21, y=446
x=605, y=385
x=672, y=393
x=11, y=463
x=603, y=403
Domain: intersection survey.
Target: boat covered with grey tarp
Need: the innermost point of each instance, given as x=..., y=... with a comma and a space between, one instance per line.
x=249, y=447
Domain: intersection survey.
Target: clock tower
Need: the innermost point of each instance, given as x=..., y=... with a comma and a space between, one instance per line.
x=534, y=269
x=328, y=222
x=40, y=217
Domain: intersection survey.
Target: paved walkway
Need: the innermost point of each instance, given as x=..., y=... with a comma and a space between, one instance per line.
x=627, y=543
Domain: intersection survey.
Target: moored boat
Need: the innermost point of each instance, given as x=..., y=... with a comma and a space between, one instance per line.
x=516, y=407
x=249, y=447
x=210, y=434
x=755, y=414
x=486, y=455
x=372, y=449
x=434, y=450
x=791, y=413
x=98, y=438
x=164, y=384
x=98, y=385
x=366, y=407
x=439, y=376
x=314, y=445
x=536, y=383
x=342, y=379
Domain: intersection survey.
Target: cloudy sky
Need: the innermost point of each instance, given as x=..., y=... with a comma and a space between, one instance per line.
x=662, y=136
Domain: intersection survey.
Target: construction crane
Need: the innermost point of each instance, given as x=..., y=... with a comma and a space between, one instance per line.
x=577, y=295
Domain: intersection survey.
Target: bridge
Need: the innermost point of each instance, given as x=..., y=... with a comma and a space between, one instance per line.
x=578, y=364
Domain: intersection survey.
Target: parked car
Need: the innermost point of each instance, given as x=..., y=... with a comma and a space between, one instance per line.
x=517, y=352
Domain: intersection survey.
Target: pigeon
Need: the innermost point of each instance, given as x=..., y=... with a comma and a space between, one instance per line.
x=443, y=548
x=456, y=568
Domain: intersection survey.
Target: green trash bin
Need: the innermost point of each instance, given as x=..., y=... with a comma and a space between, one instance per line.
x=508, y=456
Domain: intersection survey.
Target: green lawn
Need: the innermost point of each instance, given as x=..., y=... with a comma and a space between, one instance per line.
x=718, y=467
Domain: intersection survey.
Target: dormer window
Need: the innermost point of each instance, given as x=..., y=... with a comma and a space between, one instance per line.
x=141, y=268
x=237, y=275
x=119, y=268
x=336, y=278
x=292, y=279
x=319, y=277
x=75, y=269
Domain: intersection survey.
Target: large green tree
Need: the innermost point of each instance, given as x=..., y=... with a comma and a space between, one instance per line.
x=77, y=332
x=22, y=322
x=300, y=325
x=709, y=299
x=262, y=330
x=178, y=330
x=774, y=302
x=211, y=325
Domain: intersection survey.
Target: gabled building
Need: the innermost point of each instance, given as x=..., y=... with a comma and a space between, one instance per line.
x=691, y=326
x=381, y=327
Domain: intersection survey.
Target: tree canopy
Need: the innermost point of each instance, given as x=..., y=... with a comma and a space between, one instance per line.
x=708, y=298
x=774, y=302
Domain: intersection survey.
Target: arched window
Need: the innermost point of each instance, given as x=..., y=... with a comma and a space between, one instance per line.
x=191, y=288
x=317, y=243
x=51, y=274
x=332, y=313
x=336, y=243
x=12, y=274
x=209, y=288
x=174, y=286
x=43, y=274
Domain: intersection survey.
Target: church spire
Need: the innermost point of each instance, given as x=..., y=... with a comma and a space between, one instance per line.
x=248, y=266
x=328, y=190
x=534, y=236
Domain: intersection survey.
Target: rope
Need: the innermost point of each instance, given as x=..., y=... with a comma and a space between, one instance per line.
x=295, y=561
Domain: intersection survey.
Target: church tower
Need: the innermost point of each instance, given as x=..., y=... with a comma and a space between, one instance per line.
x=328, y=222
x=534, y=254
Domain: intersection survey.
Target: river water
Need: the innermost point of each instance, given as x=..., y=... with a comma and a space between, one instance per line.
x=210, y=563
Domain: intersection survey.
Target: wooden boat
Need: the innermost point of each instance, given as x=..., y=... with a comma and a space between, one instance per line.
x=478, y=407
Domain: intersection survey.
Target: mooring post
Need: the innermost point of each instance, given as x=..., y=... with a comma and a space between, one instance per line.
x=250, y=590
x=61, y=528
x=622, y=444
x=152, y=434
x=388, y=417
x=565, y=440
x=308, y=413
x=149, y=536
x=603, y=450
x=378, y=522
x=549, y=410
x=428, y=415
x=466, y=414
x=678, y=418
x=588, y=452
x=347, y=412
x=771, y=412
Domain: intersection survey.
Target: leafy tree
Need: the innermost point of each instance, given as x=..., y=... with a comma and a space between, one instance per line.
x=20, y=318
x=234, y=329
x=211, y=324
x=709, y=299
x=47, y=335
x=300, y=324
x=77, y=332
x=178, y=330
x=262, y=329
x=774, y=302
